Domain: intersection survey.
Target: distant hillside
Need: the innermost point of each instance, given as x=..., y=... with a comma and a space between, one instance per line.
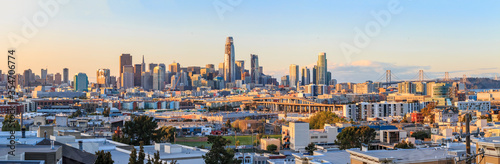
x=483, y=83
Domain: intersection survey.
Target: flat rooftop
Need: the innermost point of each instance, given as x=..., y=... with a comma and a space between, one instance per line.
x=406, y=155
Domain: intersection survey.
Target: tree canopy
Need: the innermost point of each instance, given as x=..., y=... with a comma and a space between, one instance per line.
x=353, y=137
x=421, y=135
x=218, y=154
x=404, y=145
x=272, y=147
x=311, y=148
x=141, y=128
x=9, y=123
x=104, y=157
x=318, y=120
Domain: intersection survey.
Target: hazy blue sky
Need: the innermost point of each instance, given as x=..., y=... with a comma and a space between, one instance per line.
x=461, y=37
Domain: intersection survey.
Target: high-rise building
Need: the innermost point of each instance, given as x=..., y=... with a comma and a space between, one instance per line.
x=229, y=69
x=66, y=75
x=147, y=81
x=137, y=74
x=158, y=79
x=315, y=75
x=285, y=81
x=57, y=79
x=306, y=76
x=322, y=69
x=127, y=77
x=294, y=75
x=209, y=66
x=254, y=68
x=221, y=69
x=27, y=77
x=143, y=65
x=103, y=77
x=152, y=67
x=44, y=74
x=125, y=59
x=175, y=67
x=239, y=70
x=80, y=82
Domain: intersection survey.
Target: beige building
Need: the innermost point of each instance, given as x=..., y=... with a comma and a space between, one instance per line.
x=269, y=141
x=491, y=148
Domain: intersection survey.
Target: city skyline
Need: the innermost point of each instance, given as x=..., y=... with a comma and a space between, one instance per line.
x=458, y=47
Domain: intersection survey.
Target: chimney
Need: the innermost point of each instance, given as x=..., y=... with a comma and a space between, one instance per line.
x=80, y=145
x=52, y=145
x=23, y=132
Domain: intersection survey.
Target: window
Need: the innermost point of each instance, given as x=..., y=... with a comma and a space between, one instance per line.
x=323, y=137
x=314, y=137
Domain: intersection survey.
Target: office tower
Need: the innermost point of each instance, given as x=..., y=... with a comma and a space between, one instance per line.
x=221, y=69
x=80, y=82
x=315, y=75
x=158, y=79
x=211, y=66
x=57, y=79
x=65, y=75
x=305, y=77
x=49, y=79
x=321, y=70
x=27, y=77
x=152, y=67
x=254, y=68
x=137, y=74
x=328, y=77
x=127, y=77
x=44, y=74
x=147, y=81
x=103, y=77
x=229, y=61
x=294, y=75
x=143, y=65
x=125, y=59
x=112, y=82
x=194, y=69
x=285, y=81
x=239, y=69
x=175, y=67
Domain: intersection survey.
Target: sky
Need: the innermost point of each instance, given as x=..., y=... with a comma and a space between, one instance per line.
x=361, y=39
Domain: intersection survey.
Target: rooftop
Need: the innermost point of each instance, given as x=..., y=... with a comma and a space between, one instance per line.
x=404, y=155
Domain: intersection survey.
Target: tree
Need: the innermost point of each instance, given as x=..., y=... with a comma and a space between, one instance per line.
x=141, y=128
x=272, y=147
x=404, y=145
x=421, y=135
x=318, y=120
x=165, y=134
x=75, y=114
x=311, y=148
x=133, y=157
x=248, y=118
x=219, y=154
x=106, y=112
x=142, y=155
x=228, y=123
x=353, y=137
x=104, y=157
x=10, y=124
x=237, y=143
x=173, y=162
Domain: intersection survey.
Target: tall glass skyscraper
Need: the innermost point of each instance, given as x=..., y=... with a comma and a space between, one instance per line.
x=103, y=77
x=255, y=74
x=65, y=75
x=306, y=76
x=322, y=69
x=158, y=78
x=81, y=82
x=239, y=70
x=229, y=61
x=294, y=75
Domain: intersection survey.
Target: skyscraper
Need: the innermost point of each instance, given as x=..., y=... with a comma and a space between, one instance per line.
x=322, y=69
x=175, y=67
x=239, y=70
x=229, y=61
x=158, y=79
x=27, y=77
x=57, y=79
x=315, y=75
x=294, y=75
x=103, y=77
x=80, y=82
x=152, y=67
x=147, y=81
x=44, y=74
x=254, y=70
x=65, y=75
x=143, y=65
x=306, y=76
x=127, y=77
x=137, y=74
x=125, y=59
